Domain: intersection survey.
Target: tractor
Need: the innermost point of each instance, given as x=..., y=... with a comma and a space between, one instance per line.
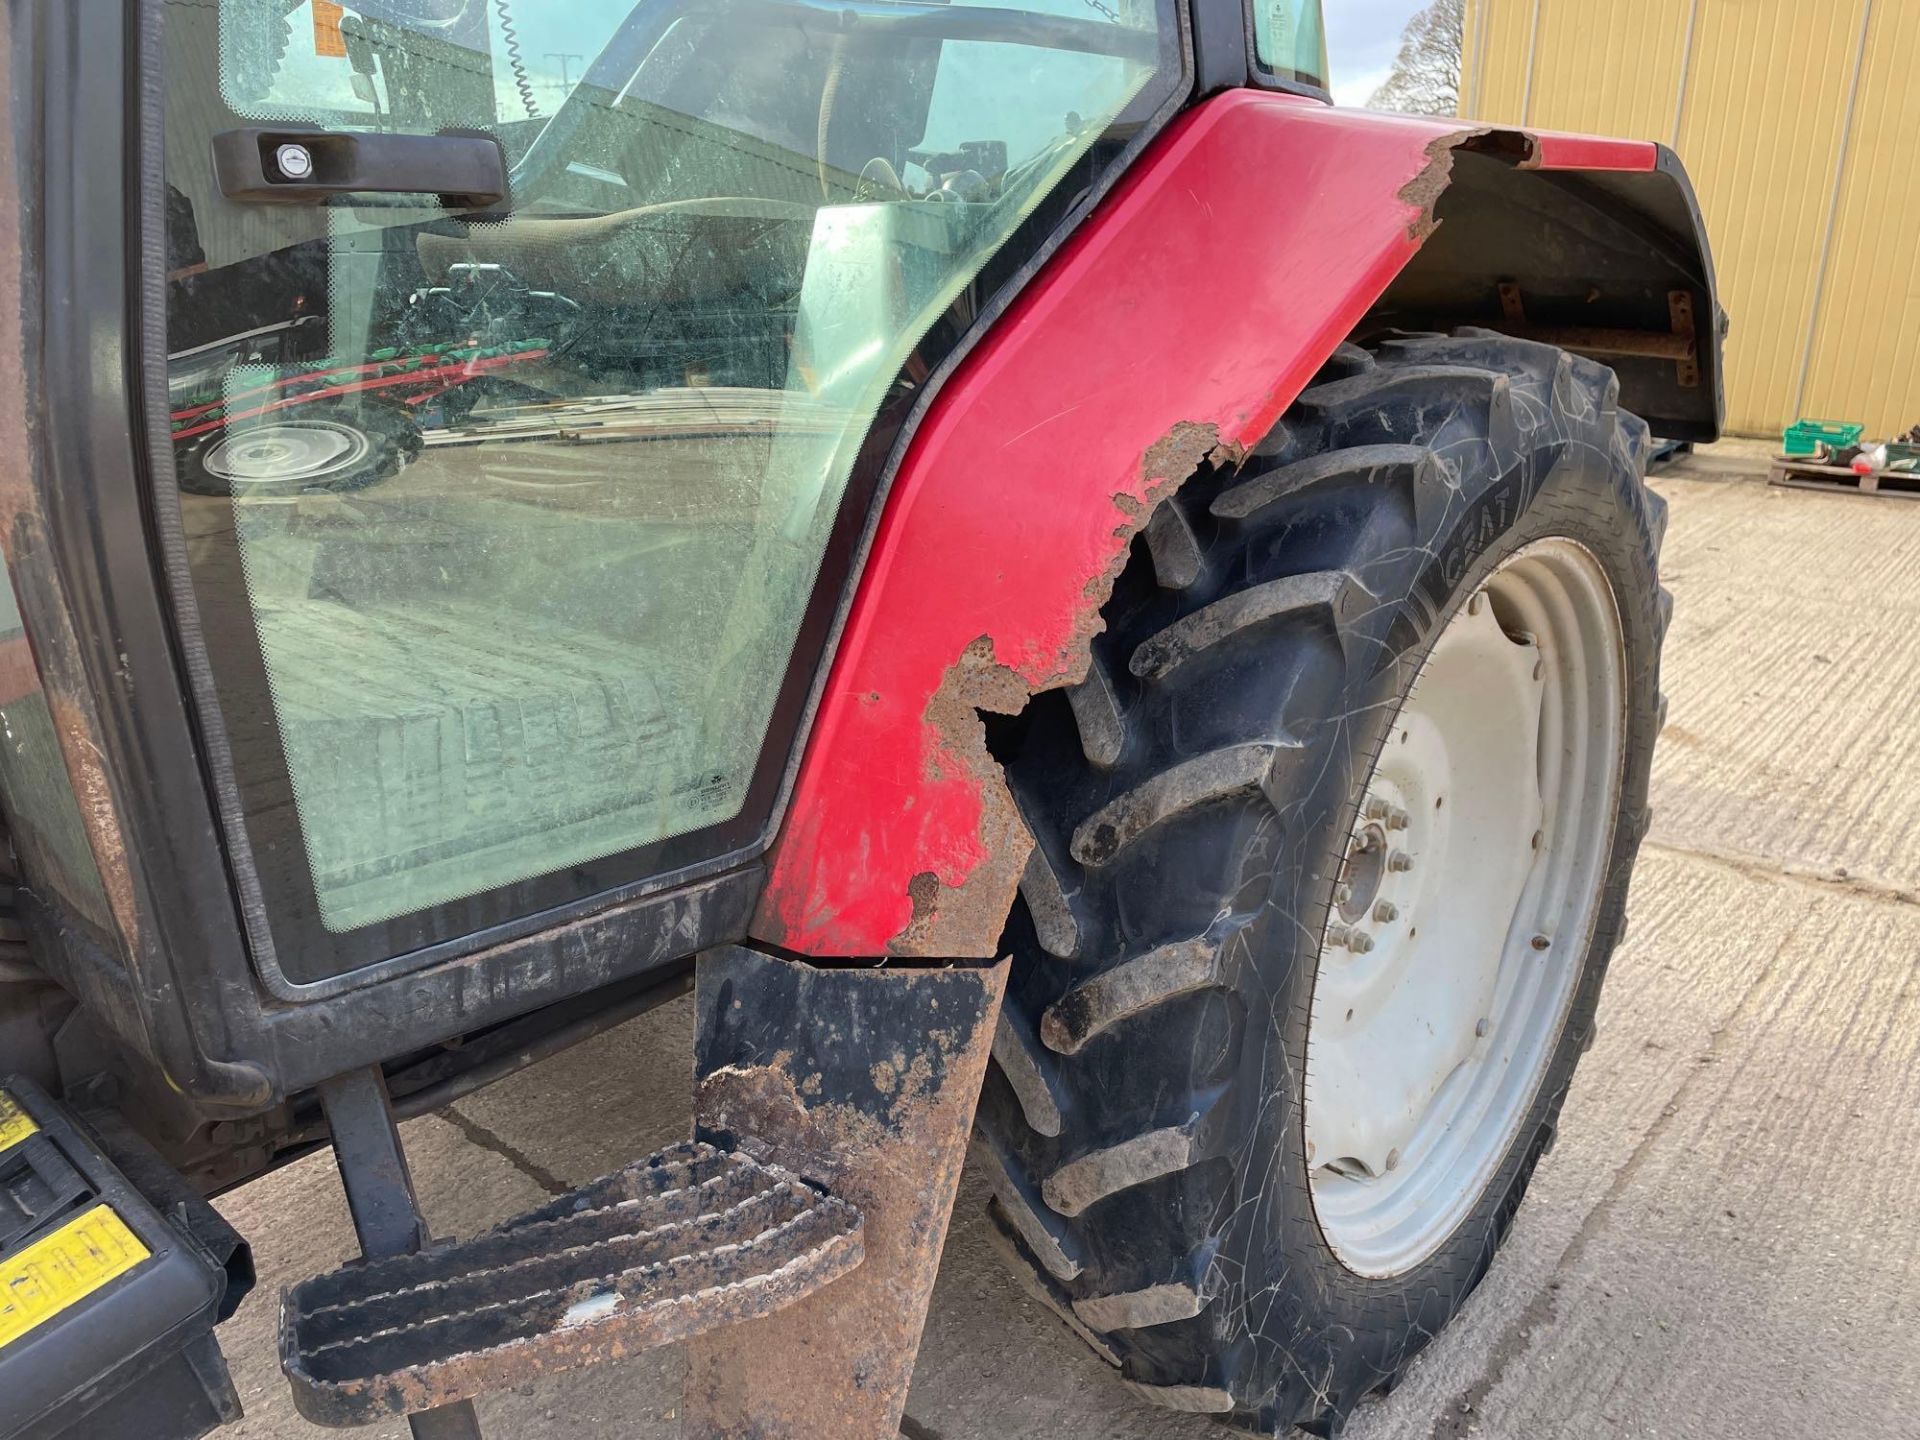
x=1100, y=612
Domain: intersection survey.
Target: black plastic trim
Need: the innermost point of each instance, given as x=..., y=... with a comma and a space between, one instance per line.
x=467, y=171
x=1222, y=46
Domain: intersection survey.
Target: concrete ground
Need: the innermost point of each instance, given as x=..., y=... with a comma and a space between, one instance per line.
x=1726, y=1241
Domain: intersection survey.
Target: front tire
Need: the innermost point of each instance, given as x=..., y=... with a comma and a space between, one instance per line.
x=1197, y=804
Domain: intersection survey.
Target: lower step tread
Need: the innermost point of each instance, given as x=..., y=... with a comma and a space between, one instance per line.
x=689, y=1240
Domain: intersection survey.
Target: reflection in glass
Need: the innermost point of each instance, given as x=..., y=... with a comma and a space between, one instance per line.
x=521, y=513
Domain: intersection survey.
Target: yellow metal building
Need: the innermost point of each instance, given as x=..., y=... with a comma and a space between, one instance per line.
x=1800, y=123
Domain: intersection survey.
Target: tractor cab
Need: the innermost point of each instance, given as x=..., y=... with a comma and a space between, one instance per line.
x=914, y=519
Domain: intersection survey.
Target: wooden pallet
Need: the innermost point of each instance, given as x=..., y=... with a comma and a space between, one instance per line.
x=1839, y=480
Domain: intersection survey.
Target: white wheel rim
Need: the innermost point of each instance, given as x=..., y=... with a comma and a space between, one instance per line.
x=288, y=453
x=1473, y=876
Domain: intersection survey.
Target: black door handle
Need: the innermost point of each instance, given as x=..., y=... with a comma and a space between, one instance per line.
x=310, y=167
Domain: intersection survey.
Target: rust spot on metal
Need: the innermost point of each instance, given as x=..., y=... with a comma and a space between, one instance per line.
x=88, y=775
x=951, y=920
x=23, y=543
x=1679, y=344
x=16, y=455
x=965, y=919
x=869, y=1090
x=1423, y=192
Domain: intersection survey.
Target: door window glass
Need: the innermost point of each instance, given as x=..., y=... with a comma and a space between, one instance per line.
x=503, y=524
x=1290, y=40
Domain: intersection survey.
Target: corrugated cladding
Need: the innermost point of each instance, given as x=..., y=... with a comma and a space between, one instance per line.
x=1799, y=121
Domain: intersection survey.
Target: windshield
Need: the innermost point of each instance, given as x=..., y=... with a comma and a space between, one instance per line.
x=503, y=527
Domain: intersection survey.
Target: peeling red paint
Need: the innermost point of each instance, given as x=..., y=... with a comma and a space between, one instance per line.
x=1172, y=330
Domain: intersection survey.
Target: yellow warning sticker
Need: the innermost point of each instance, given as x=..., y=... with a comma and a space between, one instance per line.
x=60, y=1270
x=15, y=1124
x=328, y=37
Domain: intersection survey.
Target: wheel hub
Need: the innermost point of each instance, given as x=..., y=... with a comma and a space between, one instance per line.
x=287, y=453
x=1480, y=835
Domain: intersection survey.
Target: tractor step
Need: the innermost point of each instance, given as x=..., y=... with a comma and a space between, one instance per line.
x=689, y=1240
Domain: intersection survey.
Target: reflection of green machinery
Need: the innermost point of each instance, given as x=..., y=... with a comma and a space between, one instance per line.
x=326, y=426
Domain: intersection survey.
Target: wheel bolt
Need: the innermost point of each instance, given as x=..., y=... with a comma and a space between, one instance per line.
x=1398, y=820
x=1386, y=912
x=1480, y=1030
x=1393, y=1159
x=1400, y=860
x=1541, y=942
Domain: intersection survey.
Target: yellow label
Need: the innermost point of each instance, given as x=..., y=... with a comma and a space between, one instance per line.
x=15, y=1124
x=60, y=1270
x=328, y=38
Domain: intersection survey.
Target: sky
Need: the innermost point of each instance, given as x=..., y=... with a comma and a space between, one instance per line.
x=1363, y=36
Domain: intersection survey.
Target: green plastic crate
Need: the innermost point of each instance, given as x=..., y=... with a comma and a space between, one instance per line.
x=1805, y=437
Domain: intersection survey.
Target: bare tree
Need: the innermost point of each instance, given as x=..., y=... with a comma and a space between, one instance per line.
x=1426, y=73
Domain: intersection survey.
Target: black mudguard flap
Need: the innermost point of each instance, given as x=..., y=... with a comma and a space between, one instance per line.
x=106, y=1309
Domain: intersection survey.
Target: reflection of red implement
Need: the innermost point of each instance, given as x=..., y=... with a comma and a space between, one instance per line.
x=415, y=379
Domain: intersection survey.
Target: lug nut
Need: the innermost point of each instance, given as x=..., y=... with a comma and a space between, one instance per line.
x=1398, y=820
x=1359, y=942
x=1393, y=1159
x=1343, y=893
x=1399, y=860
x=1386, y=912
x=1337, y=936
x=1541, y=942
x=294, y=161
x=1377, y=808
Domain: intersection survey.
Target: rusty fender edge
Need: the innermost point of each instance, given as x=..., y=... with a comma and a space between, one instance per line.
x=950, y=919
x=864, y=1081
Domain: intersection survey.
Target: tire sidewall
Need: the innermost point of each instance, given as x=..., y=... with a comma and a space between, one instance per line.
x=1355, y=1328
x=393, y=440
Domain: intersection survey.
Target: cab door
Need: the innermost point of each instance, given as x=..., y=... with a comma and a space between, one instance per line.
x=529, y=369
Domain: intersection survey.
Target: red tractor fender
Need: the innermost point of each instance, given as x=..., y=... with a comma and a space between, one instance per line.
x=1172, y=329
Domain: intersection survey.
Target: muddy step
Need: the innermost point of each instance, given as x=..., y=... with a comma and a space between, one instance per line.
x=689, y=1240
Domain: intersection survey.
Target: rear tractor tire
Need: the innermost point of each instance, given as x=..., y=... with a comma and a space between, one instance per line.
x=1333, y=851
